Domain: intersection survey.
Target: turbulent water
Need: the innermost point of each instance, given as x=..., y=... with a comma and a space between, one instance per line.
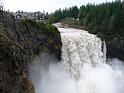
x=83, y=68
x=80, y=49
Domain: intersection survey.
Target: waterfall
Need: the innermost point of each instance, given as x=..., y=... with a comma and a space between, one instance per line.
x=104, y=51
x=83, y=67
x=79, y=48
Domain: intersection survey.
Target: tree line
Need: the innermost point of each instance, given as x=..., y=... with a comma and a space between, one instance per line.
x=106, y=18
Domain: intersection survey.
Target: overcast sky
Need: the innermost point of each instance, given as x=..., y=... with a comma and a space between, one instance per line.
x=47, y=5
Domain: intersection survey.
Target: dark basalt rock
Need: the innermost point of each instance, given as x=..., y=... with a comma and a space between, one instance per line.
x=20, y=41
x=115, y=49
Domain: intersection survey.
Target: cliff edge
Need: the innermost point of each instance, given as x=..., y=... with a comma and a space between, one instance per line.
x=20, y=41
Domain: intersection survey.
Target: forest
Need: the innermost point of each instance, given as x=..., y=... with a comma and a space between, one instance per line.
x=106, y=19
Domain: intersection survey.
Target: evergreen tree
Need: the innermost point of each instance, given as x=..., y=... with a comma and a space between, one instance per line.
x=74, y=12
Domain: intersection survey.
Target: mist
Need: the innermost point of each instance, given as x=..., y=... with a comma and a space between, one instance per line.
x=83, y=68
x=51, y=77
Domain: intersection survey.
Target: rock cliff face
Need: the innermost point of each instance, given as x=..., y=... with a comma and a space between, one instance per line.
x=20, y=41
x=115, y=49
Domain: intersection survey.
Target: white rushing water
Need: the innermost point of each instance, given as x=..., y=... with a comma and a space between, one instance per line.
x=79, y=50
x=83, y=68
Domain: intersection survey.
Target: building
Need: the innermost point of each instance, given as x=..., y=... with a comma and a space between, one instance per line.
x=37, y=16
x=1, y=5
